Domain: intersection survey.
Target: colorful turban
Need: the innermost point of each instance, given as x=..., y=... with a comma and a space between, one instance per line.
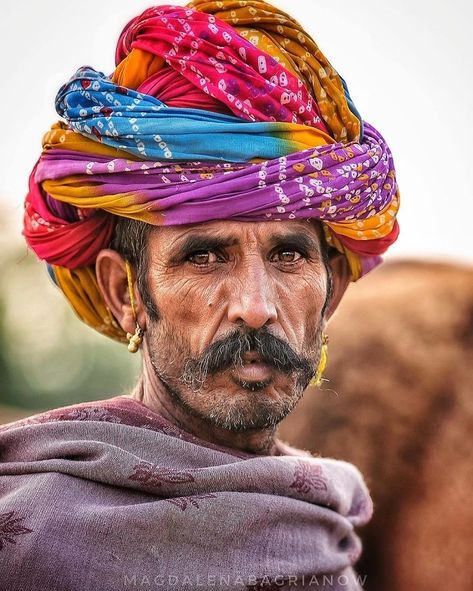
x=218, y=110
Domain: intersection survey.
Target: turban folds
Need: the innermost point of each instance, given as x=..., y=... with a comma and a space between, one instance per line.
x=218, y=110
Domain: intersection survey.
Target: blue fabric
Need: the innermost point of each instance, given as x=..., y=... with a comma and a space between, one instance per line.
x=143, y=125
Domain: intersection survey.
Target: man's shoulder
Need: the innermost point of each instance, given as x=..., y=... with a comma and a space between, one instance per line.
x=101, y=410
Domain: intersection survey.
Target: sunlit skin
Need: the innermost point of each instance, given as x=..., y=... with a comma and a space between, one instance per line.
x=208, y=280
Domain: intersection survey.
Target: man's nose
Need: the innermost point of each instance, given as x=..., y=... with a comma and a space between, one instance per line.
x=252, y=298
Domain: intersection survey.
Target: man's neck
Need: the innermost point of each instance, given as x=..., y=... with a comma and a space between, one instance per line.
x=152, y=392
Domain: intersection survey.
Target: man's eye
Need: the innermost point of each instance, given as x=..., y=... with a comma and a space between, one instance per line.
x=288, y=256
x=203, y=257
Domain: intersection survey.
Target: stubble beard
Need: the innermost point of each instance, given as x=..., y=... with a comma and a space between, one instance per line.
x=249, y=406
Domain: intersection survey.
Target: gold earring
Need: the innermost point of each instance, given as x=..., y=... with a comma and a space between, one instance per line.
x=317, y=379
x=135, y=339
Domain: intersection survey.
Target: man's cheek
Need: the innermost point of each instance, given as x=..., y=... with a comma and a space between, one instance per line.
x=167, y=345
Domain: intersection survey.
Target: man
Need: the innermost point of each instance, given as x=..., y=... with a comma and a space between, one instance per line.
x=209, y=203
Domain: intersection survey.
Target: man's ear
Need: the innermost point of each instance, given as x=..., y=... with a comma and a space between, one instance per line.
x=341, y=278
x=113, y=283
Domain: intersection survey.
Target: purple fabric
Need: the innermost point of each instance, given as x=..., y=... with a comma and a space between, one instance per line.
x=109, y=495
x=356, y=184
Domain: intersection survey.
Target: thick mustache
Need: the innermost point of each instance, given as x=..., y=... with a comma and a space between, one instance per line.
x=230, y=350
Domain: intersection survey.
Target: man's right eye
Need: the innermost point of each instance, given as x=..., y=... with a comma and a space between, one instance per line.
x=203, y=258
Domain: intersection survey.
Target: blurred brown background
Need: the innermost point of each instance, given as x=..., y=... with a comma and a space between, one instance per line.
x=398, y=404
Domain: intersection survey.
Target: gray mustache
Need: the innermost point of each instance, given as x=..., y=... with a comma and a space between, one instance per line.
x=230, y=350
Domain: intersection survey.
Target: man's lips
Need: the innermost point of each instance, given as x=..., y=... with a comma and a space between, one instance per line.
x=253, y=369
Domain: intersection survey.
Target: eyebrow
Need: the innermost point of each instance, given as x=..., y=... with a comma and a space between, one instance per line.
x=202, y=242
x=297, y=240
x=196, y=242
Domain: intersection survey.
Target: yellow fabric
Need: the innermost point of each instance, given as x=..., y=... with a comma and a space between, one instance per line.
x=60, y=137
x=136, y=67
x=81, y=289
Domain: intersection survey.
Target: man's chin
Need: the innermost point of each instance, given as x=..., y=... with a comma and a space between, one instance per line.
x=242, y=405
x=249, y=414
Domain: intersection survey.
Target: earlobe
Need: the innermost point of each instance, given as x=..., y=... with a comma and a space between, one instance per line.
x=112, y=279
x=341, y=278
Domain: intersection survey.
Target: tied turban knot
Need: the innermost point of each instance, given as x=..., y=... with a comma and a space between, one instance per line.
x=218, y=110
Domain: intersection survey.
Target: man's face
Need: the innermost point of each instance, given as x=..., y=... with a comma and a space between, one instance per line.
x=240, y=304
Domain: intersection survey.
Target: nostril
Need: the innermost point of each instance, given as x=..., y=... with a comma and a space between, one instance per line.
x=344, y=543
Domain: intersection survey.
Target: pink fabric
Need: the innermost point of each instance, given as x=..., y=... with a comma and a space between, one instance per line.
x=250, y=82
x=72, y=243
x=175, y=91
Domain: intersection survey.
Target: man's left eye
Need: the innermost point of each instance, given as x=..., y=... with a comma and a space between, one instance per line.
x=288, y=256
